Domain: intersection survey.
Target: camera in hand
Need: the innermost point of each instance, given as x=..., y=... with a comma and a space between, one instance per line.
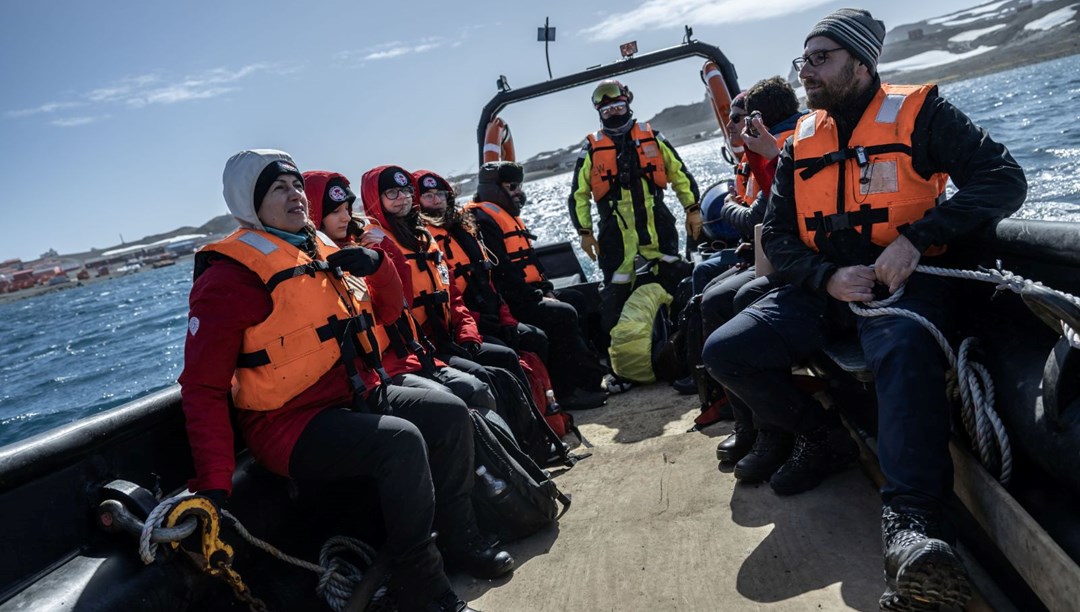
x=749, y=123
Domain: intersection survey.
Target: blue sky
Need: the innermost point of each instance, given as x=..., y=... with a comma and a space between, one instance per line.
x=117, y=117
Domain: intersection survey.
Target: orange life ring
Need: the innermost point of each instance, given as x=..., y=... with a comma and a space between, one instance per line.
x=718, y=95
x=498, y=142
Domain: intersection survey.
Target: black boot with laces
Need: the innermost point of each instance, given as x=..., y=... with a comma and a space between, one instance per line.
x=817, y=454
x=919, y=568
x=771, y=448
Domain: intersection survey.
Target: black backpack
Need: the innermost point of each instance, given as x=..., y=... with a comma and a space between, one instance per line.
x=526, y=500
x=527, y=423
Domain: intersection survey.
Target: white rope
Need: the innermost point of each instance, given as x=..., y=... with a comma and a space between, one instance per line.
x=148, y=549
x=982, y=423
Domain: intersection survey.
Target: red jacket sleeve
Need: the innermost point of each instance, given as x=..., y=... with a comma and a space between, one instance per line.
x=386, y=291
x=505, y=317
x=461, y=319
x=763, y=169
x=225, y=300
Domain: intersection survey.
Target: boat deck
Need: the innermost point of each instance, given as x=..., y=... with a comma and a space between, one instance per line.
x=654, y=526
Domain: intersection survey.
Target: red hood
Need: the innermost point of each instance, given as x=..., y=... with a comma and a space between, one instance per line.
x=369, y=193
x=315, y=187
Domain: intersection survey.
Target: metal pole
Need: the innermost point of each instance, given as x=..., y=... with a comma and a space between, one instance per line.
x=547, y=37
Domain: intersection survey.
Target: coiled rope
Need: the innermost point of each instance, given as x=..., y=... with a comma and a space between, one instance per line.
x=338, y=577
x=976, y=388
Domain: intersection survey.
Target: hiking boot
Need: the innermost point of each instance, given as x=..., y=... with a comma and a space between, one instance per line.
x=816, y=455
x=480, y=557
x=580, y=399
x=449, y=602
x=919, y=566
x=738, y=444
x=686, y=386
x=769, y=451
x=891, y=601
x=613, y=384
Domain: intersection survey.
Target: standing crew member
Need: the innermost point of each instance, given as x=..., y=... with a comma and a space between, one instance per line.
x=625, y=167
x=861, y=184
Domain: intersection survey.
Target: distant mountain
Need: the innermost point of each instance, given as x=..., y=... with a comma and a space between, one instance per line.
x=986, y=38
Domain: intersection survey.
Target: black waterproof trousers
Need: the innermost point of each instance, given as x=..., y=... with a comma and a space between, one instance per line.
x=421, y=458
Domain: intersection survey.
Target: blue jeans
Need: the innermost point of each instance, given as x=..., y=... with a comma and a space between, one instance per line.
x=753, y=353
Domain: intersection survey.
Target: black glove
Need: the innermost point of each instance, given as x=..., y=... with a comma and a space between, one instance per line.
x=358, y=261
x=509, y=334
x=471, y=347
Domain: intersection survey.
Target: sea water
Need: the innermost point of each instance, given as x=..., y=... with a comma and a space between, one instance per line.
x=77, y=352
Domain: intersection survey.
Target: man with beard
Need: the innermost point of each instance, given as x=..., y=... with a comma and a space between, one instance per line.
x=625, y=167
x=858, y=200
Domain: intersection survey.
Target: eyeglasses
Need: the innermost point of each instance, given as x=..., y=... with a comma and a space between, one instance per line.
x=395, y=193
x=815, y=59
x=512, y=186
x=618, y=108
x=431, y=196
x=736, y=118
x=607, y=90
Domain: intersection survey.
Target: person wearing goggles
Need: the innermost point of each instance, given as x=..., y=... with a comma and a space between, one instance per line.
x=625, y=168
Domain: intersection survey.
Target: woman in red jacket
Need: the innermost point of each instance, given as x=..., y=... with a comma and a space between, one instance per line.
x=304, y=379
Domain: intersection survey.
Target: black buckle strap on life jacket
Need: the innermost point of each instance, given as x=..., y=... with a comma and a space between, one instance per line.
x=813, y=165
x=347, y=344
x=742, y=169
x=308, y=269
x=424, y=349
x=862, y=220
x=400, y=335
x=422, y=257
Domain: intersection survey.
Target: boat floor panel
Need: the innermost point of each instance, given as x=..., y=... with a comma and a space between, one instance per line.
x=655, y=526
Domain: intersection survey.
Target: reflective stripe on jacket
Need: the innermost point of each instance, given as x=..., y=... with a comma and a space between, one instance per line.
x=869, y=186
x=313, y=314
x=605, y=166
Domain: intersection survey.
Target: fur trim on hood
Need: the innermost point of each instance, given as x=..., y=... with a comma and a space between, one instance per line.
x=241, y=173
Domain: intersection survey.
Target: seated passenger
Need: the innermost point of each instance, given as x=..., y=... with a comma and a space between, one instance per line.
x=466, y=259
x=858, y=200
x=773, y=111
x=321, y=416
x=576, y=372
x=394, y=227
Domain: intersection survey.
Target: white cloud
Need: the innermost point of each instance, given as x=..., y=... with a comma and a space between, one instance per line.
x=149, y=89
x=77, y=121
x=393, y=49
x=653, y=14
x=50, y=107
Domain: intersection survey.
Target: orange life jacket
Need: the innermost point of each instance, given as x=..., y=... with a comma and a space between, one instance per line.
x=430, y=282
x=605, y=166
x=314, y=314
x=516, y=239
x=871, y=186
x=461, y=266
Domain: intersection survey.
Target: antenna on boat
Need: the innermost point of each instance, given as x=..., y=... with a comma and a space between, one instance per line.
x=545, y=35
x=689, y=33
x=502, y=84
